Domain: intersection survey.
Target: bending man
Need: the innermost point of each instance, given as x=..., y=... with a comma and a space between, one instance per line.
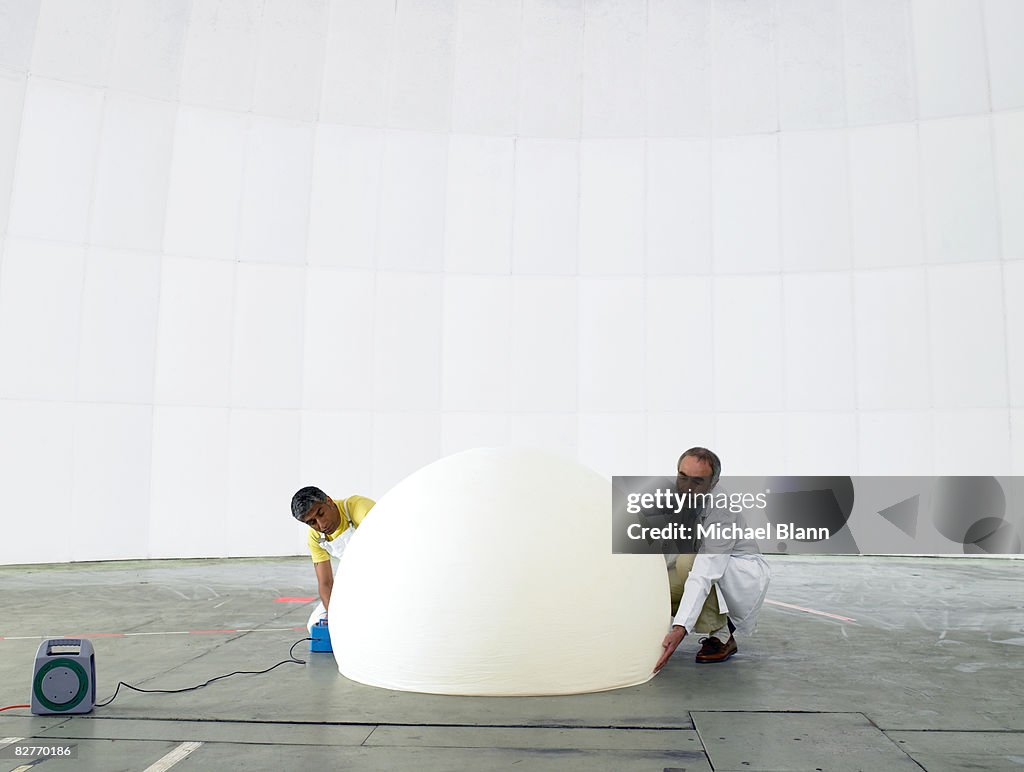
x=723, y=583
x=331, y=524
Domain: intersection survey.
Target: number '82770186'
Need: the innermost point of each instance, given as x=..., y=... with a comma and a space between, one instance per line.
x=27, y=750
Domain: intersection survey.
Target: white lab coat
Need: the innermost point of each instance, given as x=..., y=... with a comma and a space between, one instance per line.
x=737, y=571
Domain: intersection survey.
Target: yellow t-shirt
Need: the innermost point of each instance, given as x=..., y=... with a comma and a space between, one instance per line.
x=356, y=507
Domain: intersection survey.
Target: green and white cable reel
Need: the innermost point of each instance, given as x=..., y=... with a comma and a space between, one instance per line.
x=64, y=677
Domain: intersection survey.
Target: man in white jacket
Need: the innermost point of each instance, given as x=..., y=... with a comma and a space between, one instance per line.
x=732, y=568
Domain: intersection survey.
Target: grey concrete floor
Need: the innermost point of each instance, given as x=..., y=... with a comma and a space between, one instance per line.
x=919, y=666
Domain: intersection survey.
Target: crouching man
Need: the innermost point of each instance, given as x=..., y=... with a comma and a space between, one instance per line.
x=331, y=525
x=724, y=582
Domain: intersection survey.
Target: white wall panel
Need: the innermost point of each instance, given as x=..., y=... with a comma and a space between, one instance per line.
x=275, y=192
x=150, y=47
x=544, y=351
x=671, y=433
x=12, y=98
x=188, y=509
x=677, y=228
x=745, y=204
x=407, y=342
x=613, y=443
x=1013, y=302
x=478, y=205
x=220, y=54
x=748, y=363
x=420, y=86
x=968, y=342
x=356, y=65
x=680, y=343
x=1008, y=131
x=36, y=461
x=110, y=491
x=266, y=359
x=1004, y=20
x=17, y=35
x=486, y=77
x=895, y=442
x=410, y=227
x=878, y=57
x=885, y=197
x=118, y=327
x=464, y=431
x=475, y=346
x=290, y=58
x=810, y=41
x=819, y=342
x=959, y=190
x=821, y=443
x=1017, y=437
x=547, y=201
x=751, y=443
x=611, y=335
x=344, y=196
x=56, y=158
x=892, y=340
x=554, y=432
x=743, y=68
x=402, y=443
x=550, y=92
x=338, y=340
x=204, y=197
x=263, y=473
x=612, y=206
x=73, y=40
x=194, y=332
x=972, y=442
x=335, y=453
x=678, y=62
x=949, y=57
x=132, y=172
x=40, y=313
x=815, y=201
x=614, y=39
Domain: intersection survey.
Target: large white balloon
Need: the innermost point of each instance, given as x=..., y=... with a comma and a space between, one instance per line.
x=491, y=572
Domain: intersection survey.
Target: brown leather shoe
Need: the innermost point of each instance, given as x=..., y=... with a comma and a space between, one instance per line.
x=713, y=650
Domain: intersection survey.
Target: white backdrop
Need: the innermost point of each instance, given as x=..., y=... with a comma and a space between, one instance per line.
x=255, y=244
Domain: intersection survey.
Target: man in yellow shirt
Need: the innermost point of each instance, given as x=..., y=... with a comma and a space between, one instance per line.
x=331, y=524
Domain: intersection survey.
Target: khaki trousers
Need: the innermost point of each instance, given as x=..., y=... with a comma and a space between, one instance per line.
x=710, y=618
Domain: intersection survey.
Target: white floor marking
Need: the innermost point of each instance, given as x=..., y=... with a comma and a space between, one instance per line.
x=809, y=610
x=161, y=632
x=172, y=758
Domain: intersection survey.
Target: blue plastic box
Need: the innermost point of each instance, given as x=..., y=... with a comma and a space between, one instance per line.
x=321, y=637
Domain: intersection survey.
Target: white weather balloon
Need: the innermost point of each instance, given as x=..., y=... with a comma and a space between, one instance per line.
x=490, y=572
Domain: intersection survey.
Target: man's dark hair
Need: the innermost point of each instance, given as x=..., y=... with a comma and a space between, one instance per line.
x=709, y=458
x=305, y=499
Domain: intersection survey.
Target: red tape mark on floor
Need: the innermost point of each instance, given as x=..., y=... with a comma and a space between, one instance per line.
x=293, y=600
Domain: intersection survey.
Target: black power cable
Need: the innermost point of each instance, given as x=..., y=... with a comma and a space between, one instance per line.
x=291, y=660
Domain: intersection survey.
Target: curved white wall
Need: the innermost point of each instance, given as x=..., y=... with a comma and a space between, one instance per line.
x=249, y=245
